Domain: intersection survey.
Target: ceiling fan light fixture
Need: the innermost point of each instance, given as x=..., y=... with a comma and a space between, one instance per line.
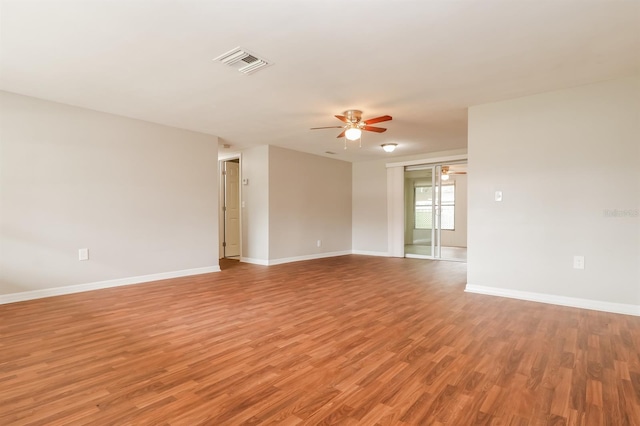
x=354, y=125
x=445, y=173
x=353, y=133
x=389, y=147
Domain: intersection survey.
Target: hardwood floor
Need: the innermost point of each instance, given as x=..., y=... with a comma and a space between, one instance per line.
x=346, y=340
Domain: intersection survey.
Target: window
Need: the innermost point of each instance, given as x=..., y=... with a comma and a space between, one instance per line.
x=448, y=204
x=424, y=207
x=423, y=197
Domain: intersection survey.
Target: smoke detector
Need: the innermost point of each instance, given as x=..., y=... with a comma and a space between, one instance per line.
x=243, y=60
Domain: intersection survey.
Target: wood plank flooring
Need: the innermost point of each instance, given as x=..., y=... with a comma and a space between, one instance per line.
x=346, y=340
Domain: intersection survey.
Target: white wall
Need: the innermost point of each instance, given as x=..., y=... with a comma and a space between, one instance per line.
x=255, y=213
x=561, y=159
x=142, y=197
x=309, y=200
x=370, y=229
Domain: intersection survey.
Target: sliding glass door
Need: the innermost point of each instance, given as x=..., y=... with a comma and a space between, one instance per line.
x=422, y=211
x=435, y=222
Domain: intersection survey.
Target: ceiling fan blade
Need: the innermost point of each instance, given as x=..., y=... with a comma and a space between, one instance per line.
x=341, y=118
x=378, y=119
x=374, y=129
x=341, y=135
x=457, y=173
x=329, y=127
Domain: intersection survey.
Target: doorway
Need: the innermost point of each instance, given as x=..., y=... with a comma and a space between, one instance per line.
x=420, y=222
x=231, y=209
x=435, y=210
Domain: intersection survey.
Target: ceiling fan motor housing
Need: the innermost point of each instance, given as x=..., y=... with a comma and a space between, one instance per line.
x=353, y=115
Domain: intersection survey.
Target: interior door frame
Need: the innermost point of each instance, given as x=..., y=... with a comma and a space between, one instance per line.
x=221, y=202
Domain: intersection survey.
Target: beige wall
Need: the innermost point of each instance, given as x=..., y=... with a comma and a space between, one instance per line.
x=309, y=200
x=562, y=159
x=142, y=197
x=369, y=203
x=255, y=211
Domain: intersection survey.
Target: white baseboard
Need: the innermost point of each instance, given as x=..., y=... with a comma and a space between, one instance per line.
x=280, y=261
x=59, y=291
x=308, y=257
x=370, y=253
x=616, y=308
x=262, y=262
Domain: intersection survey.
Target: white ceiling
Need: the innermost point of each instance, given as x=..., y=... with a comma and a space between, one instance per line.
x=423, y=62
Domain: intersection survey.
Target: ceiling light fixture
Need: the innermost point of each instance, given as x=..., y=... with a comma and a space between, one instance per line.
x=445, y=176
x=389, y=147
x=353, y=133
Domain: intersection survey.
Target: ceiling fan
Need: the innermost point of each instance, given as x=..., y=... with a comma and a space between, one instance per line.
x=446, y=173
x=354, y=124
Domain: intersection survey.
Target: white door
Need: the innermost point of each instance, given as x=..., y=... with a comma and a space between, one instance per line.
x=231, y=209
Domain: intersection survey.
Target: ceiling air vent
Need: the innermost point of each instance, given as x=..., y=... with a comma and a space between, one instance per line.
x=243, y=61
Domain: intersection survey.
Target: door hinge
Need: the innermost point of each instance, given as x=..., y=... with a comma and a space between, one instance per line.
x=224, y=244
x=224, y=172
x=224, y=208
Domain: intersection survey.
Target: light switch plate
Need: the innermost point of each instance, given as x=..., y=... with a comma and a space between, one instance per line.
x=498, y=195
x=83, y=254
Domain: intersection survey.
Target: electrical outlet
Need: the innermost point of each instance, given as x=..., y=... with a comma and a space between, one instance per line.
x=319, y=243
x=578, y=262
x=83, y=254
